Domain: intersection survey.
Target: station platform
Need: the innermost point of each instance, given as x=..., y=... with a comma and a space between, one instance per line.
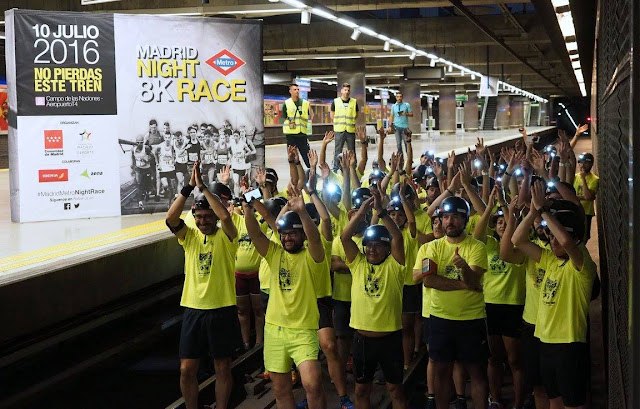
x=28, y=249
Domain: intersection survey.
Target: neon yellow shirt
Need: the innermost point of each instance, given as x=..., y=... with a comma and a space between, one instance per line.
x=264, y=271
x=564, y=299
x=342, y=281
x=292, y=288
x=247, y=258
x=426, y=291
x=423, y=221
x=338, y=225
x=504, y=283
x=593, y=183
x=534, y=277
x=323, y=282
x=209, y=281
x=471, y=224
x=459, y=304
x=410, y=252
x=376, y=294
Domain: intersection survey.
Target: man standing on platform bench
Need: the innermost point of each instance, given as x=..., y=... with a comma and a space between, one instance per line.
x=297, y=114
x=344, y=111
x=400, y=112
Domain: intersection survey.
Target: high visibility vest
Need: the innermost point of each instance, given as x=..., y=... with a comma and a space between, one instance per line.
x=297, y=116
x=344, y=119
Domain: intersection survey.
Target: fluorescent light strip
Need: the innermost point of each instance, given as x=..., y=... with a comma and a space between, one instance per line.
x=232, y=12
x=324, y=14
x=347, y=23
x=295, y=3
x=278, y=59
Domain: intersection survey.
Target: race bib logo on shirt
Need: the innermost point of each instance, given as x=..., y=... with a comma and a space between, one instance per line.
x=244, y=241
x=549, y=291
x=372, y=285
x=539, y=277
x=497, y=266
x=225, y=62
x=285, y=280
x=204, y=263
x=452, y=272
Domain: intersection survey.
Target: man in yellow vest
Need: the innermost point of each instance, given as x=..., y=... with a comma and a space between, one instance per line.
x=344, y=111
x=297, y=113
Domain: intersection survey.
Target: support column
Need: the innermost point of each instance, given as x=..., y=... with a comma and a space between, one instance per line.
x=447, y=110
x=516, y=107
x=471, y=112
x=502, y=116
x=411, y=94
x=351, y=71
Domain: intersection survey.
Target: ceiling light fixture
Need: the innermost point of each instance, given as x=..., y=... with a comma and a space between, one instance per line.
x=355, y=34
x=386, y=47
x=432, y=63
x=412, y=56
x=305, y=17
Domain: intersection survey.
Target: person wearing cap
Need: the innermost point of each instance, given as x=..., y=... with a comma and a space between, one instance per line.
x=291, y=321
x=586, y=185
x=453, y=267
x=504, y=296
x=376, y=301
x=344, y=112
x=561, y=322
x=297, y=114
x=398, y=120
x=208, y=295
x=342, y=279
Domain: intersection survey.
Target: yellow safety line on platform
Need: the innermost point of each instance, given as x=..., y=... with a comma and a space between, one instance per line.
x=65, y=249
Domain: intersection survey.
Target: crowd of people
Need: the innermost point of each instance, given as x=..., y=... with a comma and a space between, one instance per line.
x=481, y=259
x=162, y=159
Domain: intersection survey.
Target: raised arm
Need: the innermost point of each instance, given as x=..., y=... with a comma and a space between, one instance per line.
x=450, y=191
x=507, y=252
x=408, y=164
x=350, y=247
x=174, y=222
x=258, y=238
x=480, y=231
x=521, y=237
x=381, y=163
x=579, y=131
x=328, y=137
x=261, y=179
x=397, y=242
x=393, y=167
x=325, y=227
x=465, y=179
x=364, y=144
x=315, y=247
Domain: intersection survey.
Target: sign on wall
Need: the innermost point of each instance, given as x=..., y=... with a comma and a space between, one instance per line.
x=113, y=109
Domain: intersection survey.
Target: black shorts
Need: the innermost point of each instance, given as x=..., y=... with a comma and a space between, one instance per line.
x=504, y=320
x=369, y=352
x=325, y=308
x=341, y=318
x=412, y=299
x=181, y=168
x=247, y=283
x=464, y=341
x=216, y=332
x=531, y=344
x=265, y=299
x=168, y=175
x=425, y=329
x=565, y=371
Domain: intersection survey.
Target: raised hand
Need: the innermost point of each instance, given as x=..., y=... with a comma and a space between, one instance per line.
x=313, y=158
x=292, y=154
x=455, y=183
x=400, y=161
x=351, y=156
x=563, y=150
x=325, y=171
x=582, y=129
x=537, y=160
x=437, y=169
x=407, y=135
x=393, y=162
x=344, y=161
x=361, y=134
x=197, y=176
x=537, y=195
x=377, y=199
x=296, y=204
x=244, y=183
x=328, y=137
x=451, y=159
x=260, y=177
x=382, y=133
x=224, y=175
x=365, y=207
x=465, y=174
x=480, y=148
x=192, y=181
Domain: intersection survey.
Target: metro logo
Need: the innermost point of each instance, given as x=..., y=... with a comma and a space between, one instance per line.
x=225, y=62
x=53, y=139
x=53, y=175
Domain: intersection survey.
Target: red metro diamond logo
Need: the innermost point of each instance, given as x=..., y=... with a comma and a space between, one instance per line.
x=225, y=62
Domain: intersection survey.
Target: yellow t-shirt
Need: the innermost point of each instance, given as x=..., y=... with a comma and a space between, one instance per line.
x=426, y=292
x=247, y=258
x=292, y=288
x=410, y=252
x=264, y=271
x=593, y=183
x=564, y=299
x=471, y=224
x=459, y=304
x=209, y=281
x=323, y=283
x=534, y=278
x=504, y=283
x=338, y=225
x=423, y=221
x=376, y=294
x=342, y=281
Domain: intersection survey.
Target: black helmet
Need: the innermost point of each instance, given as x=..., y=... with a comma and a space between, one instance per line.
x=359, y=196
x=477, y=181
x=454, y=204
x=408, y=192
x=376, y=174
x=585, y=157
x=313, y=212
x=561, y=205
x=275, y=205
x=200, y=203
x=499, y=213
x=395, y=204
x=289, y=221
x=220, y=190
x=420, y=173
x=271, y=175
x=332, y=189
x=429, y=154
x=376, y=233
x=569, y=216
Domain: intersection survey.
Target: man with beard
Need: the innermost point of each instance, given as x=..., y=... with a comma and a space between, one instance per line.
x=291, y=322
x=209, y=287
x=457, y=327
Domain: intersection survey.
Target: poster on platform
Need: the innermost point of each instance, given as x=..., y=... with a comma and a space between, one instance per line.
x=112, y=110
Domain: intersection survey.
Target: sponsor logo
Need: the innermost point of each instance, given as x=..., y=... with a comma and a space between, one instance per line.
x=53, y=139
x=225, y=62
x=84, y=136
x=88, y=174
x=53, y=175
x=85, y=146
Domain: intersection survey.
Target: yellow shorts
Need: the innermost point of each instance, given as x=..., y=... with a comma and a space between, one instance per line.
x=282, y=346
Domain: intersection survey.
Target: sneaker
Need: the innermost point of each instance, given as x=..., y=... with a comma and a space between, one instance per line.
x=461, y=403
x=431, y=403
x=345, y=403
x=265, y=375
x=303, y=404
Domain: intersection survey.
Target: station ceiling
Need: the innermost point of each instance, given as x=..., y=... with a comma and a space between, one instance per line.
x=518, y=41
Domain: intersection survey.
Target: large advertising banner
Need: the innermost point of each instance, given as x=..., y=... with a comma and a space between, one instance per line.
x=113, y=110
